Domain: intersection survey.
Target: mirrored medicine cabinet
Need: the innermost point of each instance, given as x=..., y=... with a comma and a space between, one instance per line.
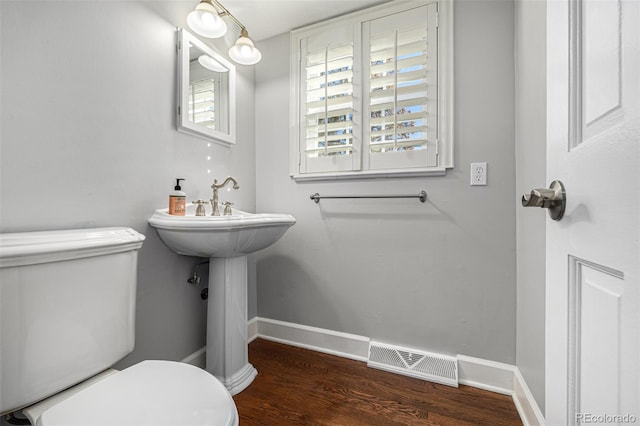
x=206, y=91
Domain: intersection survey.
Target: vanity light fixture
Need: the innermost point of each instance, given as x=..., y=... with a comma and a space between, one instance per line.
x=206, y=20
x=244, y=52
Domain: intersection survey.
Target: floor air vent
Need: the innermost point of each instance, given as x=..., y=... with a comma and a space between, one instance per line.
x=410, y=362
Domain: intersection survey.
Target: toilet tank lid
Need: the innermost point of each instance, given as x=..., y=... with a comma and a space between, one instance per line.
x=28, y=248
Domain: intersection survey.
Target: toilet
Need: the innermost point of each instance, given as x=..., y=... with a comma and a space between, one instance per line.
x=67, y=314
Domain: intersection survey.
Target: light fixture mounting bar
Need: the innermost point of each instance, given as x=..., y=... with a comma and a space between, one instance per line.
x=225, y=12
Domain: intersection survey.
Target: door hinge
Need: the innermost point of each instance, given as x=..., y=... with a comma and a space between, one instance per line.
x=437, y=20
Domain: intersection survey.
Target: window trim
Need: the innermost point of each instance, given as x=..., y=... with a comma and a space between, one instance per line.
x=445, y=91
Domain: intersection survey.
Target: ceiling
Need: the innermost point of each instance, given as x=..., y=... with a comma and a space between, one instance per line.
x=267, y=18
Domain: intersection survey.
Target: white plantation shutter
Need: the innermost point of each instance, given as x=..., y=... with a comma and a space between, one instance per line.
x=328, y=105
x=367, y=94
x=402, y=89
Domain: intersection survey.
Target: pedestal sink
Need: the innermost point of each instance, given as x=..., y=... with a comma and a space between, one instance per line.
x=226, y=240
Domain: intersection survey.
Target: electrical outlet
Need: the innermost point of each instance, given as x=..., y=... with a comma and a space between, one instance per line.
x=478, y=173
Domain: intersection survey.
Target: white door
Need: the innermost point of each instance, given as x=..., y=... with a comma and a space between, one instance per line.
x=592, y=278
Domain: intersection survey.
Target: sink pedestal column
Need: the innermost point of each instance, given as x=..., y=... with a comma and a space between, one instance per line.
x=227, y=342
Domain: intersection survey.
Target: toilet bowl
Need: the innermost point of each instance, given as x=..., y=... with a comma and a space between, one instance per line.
x=67, y=309
x=148, y=393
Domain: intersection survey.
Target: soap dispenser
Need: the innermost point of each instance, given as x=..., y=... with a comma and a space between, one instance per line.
x=177, y=200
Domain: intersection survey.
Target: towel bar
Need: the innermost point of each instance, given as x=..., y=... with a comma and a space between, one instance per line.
x=422, y=196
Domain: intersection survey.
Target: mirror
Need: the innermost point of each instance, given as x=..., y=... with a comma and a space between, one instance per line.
x=206, y=91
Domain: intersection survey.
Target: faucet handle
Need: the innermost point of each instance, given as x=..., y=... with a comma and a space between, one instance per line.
x=227, y=208
x=200, y=209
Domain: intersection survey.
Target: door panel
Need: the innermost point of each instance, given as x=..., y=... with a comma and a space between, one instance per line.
x=601, y=67
x=596, y=334
x=592, y=272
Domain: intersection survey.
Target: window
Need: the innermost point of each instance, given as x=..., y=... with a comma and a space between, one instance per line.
x=369, y=94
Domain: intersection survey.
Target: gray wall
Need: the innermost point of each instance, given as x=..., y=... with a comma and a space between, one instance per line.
x=530, y=19
x=88, y=140
x=440, y=275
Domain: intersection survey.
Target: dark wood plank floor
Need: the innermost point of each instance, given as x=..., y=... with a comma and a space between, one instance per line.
x=296, y=386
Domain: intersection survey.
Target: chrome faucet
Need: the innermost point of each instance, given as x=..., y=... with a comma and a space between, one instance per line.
x=215, y=187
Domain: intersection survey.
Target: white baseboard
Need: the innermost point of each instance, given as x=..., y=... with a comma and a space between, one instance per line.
x=198, y=358
x=484, y=374
x=252, y=329
x=526, y=405
x=345, y=345
x=480, y=373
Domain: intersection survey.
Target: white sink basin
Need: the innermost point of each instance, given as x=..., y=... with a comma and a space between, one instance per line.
x=226, y=240
x=219, y=236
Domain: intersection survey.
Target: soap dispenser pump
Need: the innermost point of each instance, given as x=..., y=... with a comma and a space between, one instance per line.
x=177, y=200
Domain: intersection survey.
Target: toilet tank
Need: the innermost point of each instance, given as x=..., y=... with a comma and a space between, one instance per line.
x=67, y=308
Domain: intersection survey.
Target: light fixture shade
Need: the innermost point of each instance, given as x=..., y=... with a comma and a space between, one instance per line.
x=211, y=64
x=244, y=52
x=206, y=21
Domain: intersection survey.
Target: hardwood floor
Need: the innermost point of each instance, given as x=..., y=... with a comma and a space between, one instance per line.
x=296, y=386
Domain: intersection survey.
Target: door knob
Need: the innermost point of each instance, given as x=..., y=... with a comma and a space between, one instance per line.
x=553, y=199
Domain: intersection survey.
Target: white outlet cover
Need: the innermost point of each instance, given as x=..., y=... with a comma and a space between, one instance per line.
x=478, y=174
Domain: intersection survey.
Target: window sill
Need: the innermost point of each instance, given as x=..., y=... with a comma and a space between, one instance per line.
x=370, y=174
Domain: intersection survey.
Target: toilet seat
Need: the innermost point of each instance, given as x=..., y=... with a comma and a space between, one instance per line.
x=148, y=393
